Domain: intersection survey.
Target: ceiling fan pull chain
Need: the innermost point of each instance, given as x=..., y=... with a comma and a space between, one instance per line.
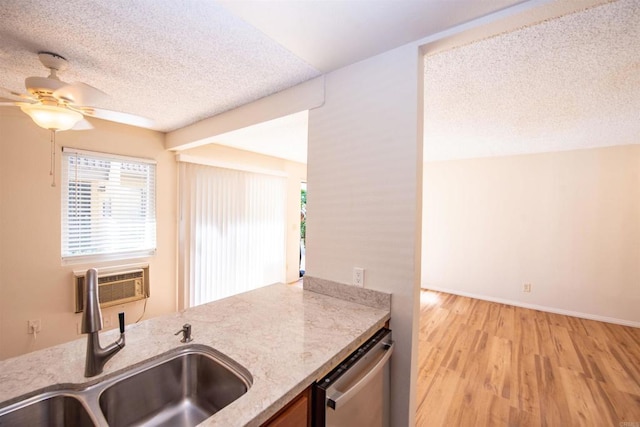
x=52, y=169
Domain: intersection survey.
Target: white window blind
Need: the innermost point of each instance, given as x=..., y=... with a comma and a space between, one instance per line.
x=108, y=204
x=232, y=231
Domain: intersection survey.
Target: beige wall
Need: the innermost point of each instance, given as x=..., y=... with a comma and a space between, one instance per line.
x=296, y=174
x=33, y=282
x=364, y=200
x=567, y=222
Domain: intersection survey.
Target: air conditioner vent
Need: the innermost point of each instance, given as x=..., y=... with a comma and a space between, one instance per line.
x=115, y=287
x=117, y=291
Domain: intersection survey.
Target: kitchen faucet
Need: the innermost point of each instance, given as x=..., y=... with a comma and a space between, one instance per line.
x=92, y=323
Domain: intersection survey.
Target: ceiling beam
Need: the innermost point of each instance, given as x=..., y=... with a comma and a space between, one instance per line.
x=305, y=96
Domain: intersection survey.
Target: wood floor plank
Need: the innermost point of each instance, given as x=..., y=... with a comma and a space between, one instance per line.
x=553, y=400
x=622, y=407
x=620, y=373
x=526, y=331
x=564, y=351
x=525, y=390
x=498, y=371
x=475, y=364
x=506, y=321
x=489, y=364
x=519, y=418
x=438, y=399
x=477, y=314
x=581, y=400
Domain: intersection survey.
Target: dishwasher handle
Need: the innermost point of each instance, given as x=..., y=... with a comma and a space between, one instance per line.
x=340, y=398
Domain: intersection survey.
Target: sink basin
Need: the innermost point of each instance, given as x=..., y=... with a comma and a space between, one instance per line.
x=47, y=409
x=182, y=390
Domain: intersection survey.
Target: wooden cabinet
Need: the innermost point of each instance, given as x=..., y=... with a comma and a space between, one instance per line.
x=296, y=413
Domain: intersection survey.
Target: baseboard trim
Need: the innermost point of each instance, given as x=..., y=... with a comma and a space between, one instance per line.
x=538, y=307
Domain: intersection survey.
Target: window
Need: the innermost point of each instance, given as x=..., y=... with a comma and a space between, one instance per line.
x=108, y=205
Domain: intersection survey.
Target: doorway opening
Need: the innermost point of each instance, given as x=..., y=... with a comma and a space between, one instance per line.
x=303, y=226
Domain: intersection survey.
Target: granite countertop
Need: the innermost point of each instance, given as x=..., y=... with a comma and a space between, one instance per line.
x=286, y=337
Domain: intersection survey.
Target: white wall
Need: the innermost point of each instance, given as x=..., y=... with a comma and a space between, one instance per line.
x=33, y=282
x=567, y=222
x=364, y=200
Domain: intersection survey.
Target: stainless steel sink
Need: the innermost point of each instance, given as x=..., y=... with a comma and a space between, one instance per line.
x=48, y=409
x=181, y=391
x=180, y=388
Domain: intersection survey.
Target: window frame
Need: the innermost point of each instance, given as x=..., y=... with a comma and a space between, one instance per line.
x=150, y=218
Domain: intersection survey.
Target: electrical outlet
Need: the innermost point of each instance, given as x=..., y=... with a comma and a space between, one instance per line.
x=358, y=277
x=34, y=326
x=526, y=287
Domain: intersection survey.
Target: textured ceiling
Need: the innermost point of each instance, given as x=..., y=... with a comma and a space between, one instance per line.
x=178, y=62
x=568, y=83
x=331, y=34
x=175, y=62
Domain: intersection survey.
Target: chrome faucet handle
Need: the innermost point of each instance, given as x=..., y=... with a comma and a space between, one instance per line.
x=96, y=356
x=186, y=333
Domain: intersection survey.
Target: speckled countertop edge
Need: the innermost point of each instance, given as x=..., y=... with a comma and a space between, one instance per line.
x=368, y=297
x=284, y=336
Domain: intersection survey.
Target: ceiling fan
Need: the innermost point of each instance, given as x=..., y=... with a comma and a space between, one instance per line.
x=57, y=106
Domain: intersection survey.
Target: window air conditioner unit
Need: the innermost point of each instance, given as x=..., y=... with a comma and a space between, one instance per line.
x=116, y=285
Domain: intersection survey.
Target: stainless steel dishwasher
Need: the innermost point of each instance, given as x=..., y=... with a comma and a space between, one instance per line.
x=356, y=392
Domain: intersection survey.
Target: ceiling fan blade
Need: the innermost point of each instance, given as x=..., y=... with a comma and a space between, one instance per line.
x=14, y=103
x=15, y=96
x=118, y=117
x=82, y=125
x=80, y=94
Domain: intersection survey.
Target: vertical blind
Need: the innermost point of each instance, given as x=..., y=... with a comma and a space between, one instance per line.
x=108, y=204
x=232, y=231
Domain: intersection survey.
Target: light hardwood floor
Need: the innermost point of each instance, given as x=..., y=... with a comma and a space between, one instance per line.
x=490, y=364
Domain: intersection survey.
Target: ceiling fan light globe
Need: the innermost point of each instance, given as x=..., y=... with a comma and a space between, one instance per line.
x=52, y=117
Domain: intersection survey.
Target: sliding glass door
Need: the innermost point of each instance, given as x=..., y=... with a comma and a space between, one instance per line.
x=232, y=231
